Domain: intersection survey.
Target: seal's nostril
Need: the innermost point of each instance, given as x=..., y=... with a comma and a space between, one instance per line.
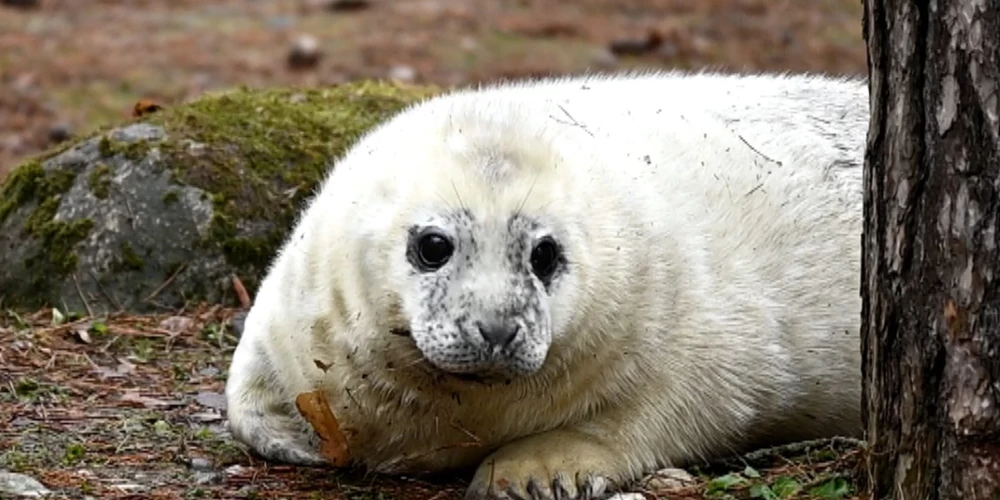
x=498, y=333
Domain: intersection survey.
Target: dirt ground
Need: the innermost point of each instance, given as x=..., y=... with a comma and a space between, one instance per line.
x=127, y=407
x=70, y=65
x=131, y=407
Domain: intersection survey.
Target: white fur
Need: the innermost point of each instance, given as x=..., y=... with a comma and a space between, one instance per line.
x=712, y=224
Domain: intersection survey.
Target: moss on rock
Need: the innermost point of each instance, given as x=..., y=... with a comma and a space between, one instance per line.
x=100, y=181
x=32, y=184
x=262, y=153
x=257, y=155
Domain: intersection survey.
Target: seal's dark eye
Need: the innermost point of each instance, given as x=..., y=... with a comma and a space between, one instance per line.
x=434, y=249
x=545, y=258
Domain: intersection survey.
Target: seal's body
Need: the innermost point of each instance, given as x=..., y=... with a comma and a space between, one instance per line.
x=572, y=282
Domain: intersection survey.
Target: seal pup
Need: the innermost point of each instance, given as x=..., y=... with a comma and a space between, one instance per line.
x=570, y=282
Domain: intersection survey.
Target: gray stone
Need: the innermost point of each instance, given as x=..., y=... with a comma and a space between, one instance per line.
x=162, y=213
x=138, y=235
x=21, y=485
x=201, y=464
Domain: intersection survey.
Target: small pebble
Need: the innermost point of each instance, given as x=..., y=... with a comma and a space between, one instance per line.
x=211, y=399
x=23, y=485
x=235, y=470
x=668, y=479
x=239, y=320
x=246, y=491
x=627, y=496
x=60, y=132
x=176, y=324
x=604, y=58
x=24, y=4
x=304, y=52
x=280, y=23
x=208, y=371
x=403, y=73
x=201, y=464
x=201, y=477
x=161, y=428
x=348, y=5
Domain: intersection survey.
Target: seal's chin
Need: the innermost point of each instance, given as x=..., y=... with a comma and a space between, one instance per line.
x=492, y=368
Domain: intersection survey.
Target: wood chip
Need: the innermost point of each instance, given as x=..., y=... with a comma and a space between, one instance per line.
x=241, y=292
x=145, y=107
x=316, y=410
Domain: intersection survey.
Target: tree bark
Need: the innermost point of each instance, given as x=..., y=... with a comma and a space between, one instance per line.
x=931, y=250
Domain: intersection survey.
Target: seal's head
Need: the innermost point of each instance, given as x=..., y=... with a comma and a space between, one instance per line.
x=477, y=255
x=478, y=290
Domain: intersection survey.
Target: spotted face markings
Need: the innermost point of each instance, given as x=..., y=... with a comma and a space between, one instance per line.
x=488, y=281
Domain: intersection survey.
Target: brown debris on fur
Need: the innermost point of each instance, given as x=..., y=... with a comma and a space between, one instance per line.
x=315, y=408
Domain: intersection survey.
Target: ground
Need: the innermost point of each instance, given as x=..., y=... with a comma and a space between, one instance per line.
x=68, y=65
x=129, y=406
x=132, y=407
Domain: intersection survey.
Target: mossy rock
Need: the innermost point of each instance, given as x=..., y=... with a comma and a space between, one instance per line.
x=162, y=212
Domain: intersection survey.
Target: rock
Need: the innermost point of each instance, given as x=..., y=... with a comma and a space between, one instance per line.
x=21, y=485
x=304, y=53
x=23, y=4
x=239, y=321
x=348, y=5
x=403, y=73
x=604, y=58
x=208, y=371
x=163, y=211
x=201, y=464
x=627, y=496
x=637, y=46
x=236, y=470
x=665, y=480
x=176, y=324
x=280, y=23
x=209, y=399
x=207, y=477
x=60, y=132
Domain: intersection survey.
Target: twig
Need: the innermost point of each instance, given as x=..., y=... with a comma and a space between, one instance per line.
x=90, y=312
x=166, y=283
x=754, y=190
x=105, y=292
x=759, y=457
x=241, y=291
x=572, y=120
x=131, y=215
x=768, y=158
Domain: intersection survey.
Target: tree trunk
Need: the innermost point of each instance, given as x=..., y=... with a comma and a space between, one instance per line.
x=931, y=250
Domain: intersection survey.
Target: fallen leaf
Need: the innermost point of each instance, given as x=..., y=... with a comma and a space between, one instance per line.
x=57, y=317
x=145, y=107
x=241, y=292
x=316, y=410
x=123, y=370
x=206, y=416
x=82, y=335
x=176, y=324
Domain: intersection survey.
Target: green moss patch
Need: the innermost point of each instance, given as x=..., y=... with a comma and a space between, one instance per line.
x=32, y=184
x=128, y=259
x=256, y=155
x=261, y=153
x=100, y=181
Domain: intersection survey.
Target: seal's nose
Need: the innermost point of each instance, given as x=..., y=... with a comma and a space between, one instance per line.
x=498, y=333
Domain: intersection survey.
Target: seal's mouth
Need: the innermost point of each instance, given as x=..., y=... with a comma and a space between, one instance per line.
x=489, y=378
x=402, y=332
